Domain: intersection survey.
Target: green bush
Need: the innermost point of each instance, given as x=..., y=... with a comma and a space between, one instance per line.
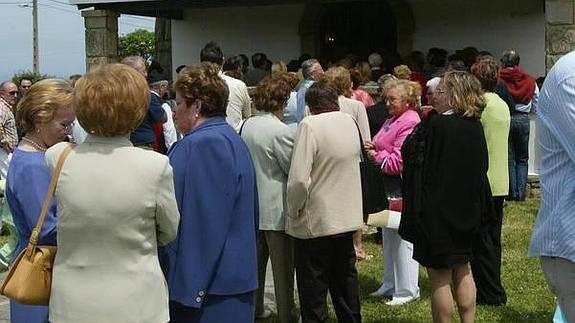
x=34, y=77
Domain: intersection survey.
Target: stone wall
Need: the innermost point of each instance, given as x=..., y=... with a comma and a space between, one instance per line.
x=560, y=29
x=101, y=37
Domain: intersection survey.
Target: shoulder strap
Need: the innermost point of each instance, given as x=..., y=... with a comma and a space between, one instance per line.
x=363, y=152
x=36, y=231
x=242, y=126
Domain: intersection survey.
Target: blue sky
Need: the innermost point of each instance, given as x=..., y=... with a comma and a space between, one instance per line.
x=61, y=37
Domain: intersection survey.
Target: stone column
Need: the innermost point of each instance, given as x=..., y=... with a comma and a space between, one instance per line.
x=101, y=37
x=559, y=29
x=163, y=31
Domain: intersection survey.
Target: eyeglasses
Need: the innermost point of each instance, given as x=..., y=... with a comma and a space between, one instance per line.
x=67, y=126
x=25, y=86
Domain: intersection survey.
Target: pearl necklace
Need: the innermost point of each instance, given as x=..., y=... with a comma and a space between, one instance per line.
x=34, y=144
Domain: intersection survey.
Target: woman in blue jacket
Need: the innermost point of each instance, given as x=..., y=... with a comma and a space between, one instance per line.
x=211, y=266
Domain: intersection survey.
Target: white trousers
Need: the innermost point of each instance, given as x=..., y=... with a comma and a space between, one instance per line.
x=560, y=276
x=400, y=271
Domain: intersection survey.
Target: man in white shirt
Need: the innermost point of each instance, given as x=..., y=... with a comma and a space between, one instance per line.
x=239, y=102
x=160, y=88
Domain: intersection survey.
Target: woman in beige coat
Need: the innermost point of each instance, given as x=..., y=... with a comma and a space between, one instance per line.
x=116, y=204
x=325, y=207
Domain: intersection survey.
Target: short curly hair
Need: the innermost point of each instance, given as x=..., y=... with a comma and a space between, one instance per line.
x=411, y=90
x=486, y=70
x=272, y=93
x=202, y=82
x=340, y=79
x=111, y=100
x=464, y=93
x=41, y=103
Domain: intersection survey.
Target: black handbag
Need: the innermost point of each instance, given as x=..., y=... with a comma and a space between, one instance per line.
x=373, y=191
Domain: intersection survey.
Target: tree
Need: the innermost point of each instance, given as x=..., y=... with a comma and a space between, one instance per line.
x=29, y=75
x=139, y=42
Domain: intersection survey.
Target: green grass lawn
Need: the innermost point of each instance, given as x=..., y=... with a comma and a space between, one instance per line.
x=529, y=299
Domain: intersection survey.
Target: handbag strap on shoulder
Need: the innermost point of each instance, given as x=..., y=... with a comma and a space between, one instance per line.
x=36, y=231
x=363, y=152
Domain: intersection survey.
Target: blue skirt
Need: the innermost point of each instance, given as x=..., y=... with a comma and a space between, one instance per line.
x=20, y=313
x=216, y=309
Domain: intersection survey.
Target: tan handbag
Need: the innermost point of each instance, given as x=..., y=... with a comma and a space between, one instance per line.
x=30, y=277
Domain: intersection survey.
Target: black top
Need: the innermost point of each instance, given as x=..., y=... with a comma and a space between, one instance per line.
x=254, y=76
x=144, y=134
x=376, y=115
x=446, y=193
x=505, y=95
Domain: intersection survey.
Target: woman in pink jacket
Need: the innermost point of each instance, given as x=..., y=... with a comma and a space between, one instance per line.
x=400, y=270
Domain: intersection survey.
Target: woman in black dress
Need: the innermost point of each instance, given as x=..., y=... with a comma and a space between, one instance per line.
x=444, y=192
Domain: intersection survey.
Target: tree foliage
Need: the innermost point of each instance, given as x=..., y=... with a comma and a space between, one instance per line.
x=139, y=42
x=29, y=75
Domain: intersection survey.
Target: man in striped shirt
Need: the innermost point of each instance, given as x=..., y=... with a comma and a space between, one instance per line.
x=554, y=232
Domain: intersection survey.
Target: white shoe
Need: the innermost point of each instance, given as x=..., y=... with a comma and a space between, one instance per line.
x=383, y=291
x=396, y=301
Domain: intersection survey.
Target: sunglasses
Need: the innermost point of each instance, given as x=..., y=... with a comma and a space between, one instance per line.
x=26, y=86
x=13, y=92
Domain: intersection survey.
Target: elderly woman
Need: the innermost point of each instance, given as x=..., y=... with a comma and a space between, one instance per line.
x=340, y=78
x=325, y=208
x=46, y=115
x=211, y=266
x=486, y=263
x=441, y=212
x=400, y=270
x=116, y=205
x=270, y=143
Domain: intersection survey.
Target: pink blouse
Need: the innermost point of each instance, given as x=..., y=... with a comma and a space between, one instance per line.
x=363, y=97
x=389, y=140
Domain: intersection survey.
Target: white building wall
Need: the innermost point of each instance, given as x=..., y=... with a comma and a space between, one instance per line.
x=273, y=30
x=491, y=25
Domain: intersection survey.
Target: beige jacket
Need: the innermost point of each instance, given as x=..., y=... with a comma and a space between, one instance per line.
x=116, y=204
x=356, y=110
x=324, y=185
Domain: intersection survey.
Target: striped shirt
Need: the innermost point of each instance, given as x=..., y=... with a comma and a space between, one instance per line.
x=554, y=231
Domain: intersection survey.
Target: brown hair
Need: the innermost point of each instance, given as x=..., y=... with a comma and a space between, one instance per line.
x=464, y=93
x=41, y=103
x=202, y=82
x=486, y=69
x=340, y=79
x=111, y=100
x=321, y=95
x=272, y=93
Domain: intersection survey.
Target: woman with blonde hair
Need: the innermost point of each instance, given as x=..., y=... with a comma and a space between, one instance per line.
x=401, y=272
x=340, y=78
x=270, y=143
x=442, y=214
x=116, y=206
x=46, y=115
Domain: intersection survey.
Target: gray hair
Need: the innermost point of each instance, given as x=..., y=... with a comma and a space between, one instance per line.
x=510, y=58
x=159, y=83
x=135, y=62
x=4, y=84
x=307, y=67
x=374, y=60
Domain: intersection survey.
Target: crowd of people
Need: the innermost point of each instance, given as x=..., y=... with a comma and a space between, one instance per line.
x=169, y=208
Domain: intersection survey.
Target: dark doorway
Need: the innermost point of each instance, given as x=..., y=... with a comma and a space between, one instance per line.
x=357, y=27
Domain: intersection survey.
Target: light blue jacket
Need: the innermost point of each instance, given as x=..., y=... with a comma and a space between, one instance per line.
x=270, y=143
